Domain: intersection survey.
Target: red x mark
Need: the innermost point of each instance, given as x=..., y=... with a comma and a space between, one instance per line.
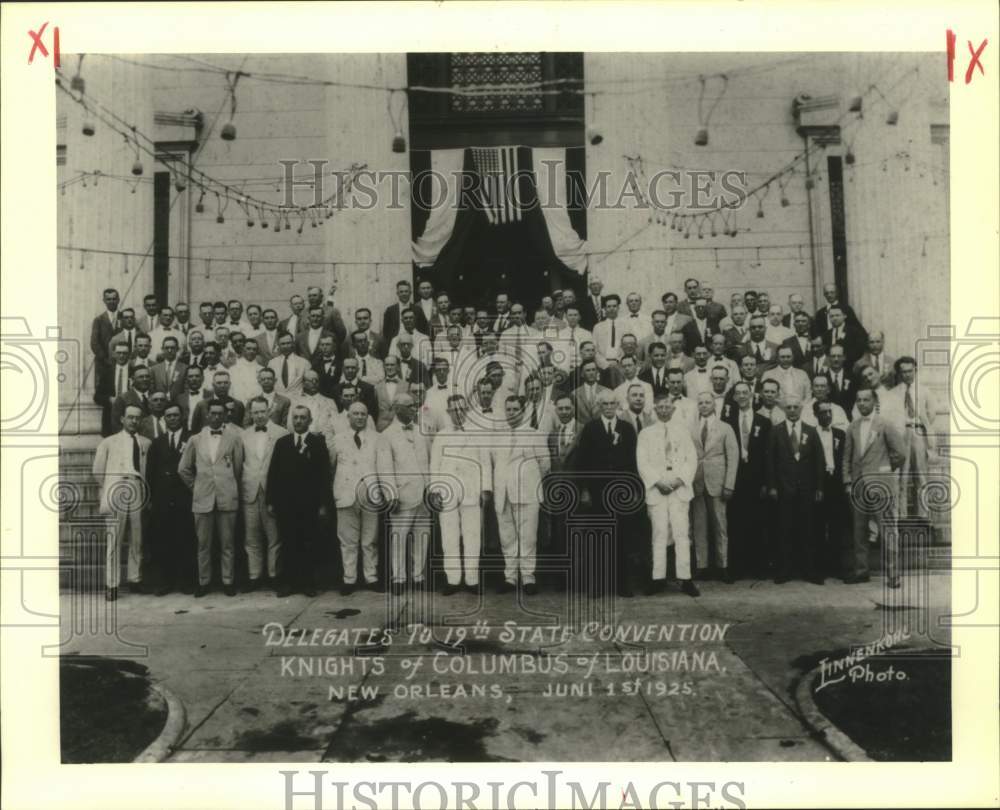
x=974, y=62
x=38, y=45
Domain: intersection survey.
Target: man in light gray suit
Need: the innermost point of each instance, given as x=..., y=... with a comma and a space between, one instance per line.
x=586, y=398
x=714, y=482
x=212, y=466
x=263, y=545
x=460, y=485
x=873, y=450
x=386, y=391
x=120, y=470
x=402, y=461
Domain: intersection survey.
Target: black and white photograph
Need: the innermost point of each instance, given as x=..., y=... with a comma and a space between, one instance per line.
x=489, y=405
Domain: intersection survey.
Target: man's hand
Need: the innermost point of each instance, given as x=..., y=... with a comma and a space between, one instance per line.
x=819, y=496
x=772, y=493
x=763, y=493
x=727, y=494
x=664, y=487
x=270, y=510
x=676, y=483
x=322, y=511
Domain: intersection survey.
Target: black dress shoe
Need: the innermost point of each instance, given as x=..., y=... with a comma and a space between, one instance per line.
x=893, y=582
x=251, y=586
x=282, y=590
x=655, y=587
x=376, y=587
x=625, y=593
x=200, y=591
x=163, y=590
x=397, y=588
x=505, y=587
x=530, y=589
x=347, y=589
x=111, y=594
x=187, y=589
x=229, y=590
x=817, y=580
x=688, y=587
x=309, y=590
x=856, y=580
x=449, y=590
x=781, y=580
x=474, y=589
x=727, y=576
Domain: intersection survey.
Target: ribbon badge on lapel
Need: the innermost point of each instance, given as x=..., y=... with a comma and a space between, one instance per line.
x=756, y=431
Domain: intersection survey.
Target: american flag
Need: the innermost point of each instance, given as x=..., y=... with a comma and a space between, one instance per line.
x=497, y=169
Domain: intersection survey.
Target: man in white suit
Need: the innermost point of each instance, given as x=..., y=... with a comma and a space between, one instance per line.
x=461, y=484
x=120, y=469
x=212, y=466
x=288, y=367
x=263, y=546
x=520, y=459
x=402, y=462
x=667, y=463
x=357, y=495
x=386, y=390
x=714, y=482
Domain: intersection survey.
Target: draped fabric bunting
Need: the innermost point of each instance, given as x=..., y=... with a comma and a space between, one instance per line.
x=498, y=169
x=446, y=164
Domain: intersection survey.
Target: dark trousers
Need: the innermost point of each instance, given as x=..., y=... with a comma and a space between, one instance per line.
x=832, y=529
x=299, y=530
x=796, y=534
x=747, y=517
x=173, y=558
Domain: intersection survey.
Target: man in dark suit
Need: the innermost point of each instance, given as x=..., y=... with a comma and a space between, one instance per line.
x=366, y=391
x=390, y=318
x=748, y=375
x=607, y=458
x=170, y=373
x=821, y=323
x=843, y=388
x=296, y=319
x=308, y=340
x=193, y=393
x=173, y=545
x=154, y=424
x=142, y=383
x=115, y=382
x=795, y=472
x=699, y=331
x=832, y=514
x=299, y=493
x=851, y=336
x=235, y=410
x=655, y=373
x=757, y=345
x=327, y=365
x=128, y=333
x=411, y=368
x=800, y=343
x=592, y=307
x=101, y=330
x=747, y=535
x=332, y=320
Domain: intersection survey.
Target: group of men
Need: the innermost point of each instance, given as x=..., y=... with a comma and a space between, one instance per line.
x=754, y=437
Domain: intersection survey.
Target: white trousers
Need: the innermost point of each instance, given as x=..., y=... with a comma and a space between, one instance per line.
x=127, y=527
x=261, y=540
x=708, y=517
x=670, y=525
x=357, y=528
x=461, y=541
x=400, y=524
x=518, y=523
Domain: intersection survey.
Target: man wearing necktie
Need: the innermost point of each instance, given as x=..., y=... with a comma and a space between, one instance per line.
x=832, y=513
x=746, y=520
x=667, y=462
x=795, y=470
x=841, y=385
x=357, y=496
x=173, y=554
x=262, y=538
x=912, y=406
x=402, y=463
x=113, y=383
x=120, y=470
x=212, y=466
x=609, y=332
x=873, y=449
x=298, y=496
x=153, y=424
x=714, y=483
x=142, y=382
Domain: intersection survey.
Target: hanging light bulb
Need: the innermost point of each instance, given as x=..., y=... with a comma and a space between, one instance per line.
x=77, y=84
x=594, y=136
x=180, y=183
x=810, y=184
x=200, y=205
x=784, y=201
x=849, y=158
x=137, y=168
x=398, y=143
x=892, y=118
x=855, y=105
x=228, y=132
x=701, y=139
x=88, y=124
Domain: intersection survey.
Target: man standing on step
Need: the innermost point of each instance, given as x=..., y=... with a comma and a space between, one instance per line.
x=120, y=470
x=212, y=465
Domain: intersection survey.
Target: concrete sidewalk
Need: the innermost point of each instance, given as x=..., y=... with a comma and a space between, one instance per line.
x=721, y=687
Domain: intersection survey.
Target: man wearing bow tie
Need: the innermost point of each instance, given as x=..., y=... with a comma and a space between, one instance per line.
x=748, y=553
x=386, y=391
x=460, y=486
x=120, y=470
x=298, y=496
x=402, y=463
x=634, y=321
x=795, y=470
x=667, y=462
x=173, y=548
x=873, y=450
x=211, y=466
